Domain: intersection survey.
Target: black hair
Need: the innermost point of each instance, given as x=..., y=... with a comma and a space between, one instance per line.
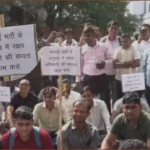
x=23, y=113
x=66, y=81
x=87, y=88
x=50, y=91
x=83, y=102
x=136, y=36
x=114, y=23
x=125, y=36
x=131, y=97
x=69, y=30
x=88, y=29
x=145, y=24
x=132, y=144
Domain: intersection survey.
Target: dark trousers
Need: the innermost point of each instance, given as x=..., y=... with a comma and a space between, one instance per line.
x=53, y=136
x=119, y=93
x=112, y=87
x=99, y=85
x=147, y=94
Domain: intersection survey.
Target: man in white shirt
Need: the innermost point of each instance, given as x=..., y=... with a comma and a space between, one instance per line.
x=99, y=114
x=126, y=60
x=69, y=96
x=69, y=41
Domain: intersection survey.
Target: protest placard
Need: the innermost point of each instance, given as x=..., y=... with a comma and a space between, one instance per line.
x=60, y=60
x=17, y=50
x=4, y=94
x=133, y=82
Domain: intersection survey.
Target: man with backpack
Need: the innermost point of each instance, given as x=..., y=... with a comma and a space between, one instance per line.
x=25, y=135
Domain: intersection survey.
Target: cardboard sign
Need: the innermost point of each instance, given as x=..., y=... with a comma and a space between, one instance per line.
x=4, y=94
x=133, y=82
x=64, y=60
x=17, y=50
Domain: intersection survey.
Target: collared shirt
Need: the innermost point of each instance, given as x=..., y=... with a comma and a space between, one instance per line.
x=91, y=56
x=73, y=139
x=102, y=121
x=30, y=143
x=68, y=103
x=16, y=101
x=145, y=66
x=124, y=55
x=119, y=103
x=143, y=45
x=111, y=45
x=49, y=120
x=74, y=43
x=123, y=130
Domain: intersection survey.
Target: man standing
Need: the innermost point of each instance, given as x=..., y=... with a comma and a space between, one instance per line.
x=99, y=114
x=79, y=134
x=126, y=60
x=22, y=98
x=93, y=58
x=69, y=41
x=112, y=41
x=132, y=124
x=46, y=114
x=24, y=135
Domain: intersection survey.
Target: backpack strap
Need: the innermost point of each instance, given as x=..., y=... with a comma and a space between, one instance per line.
x=11, y=138
x=37, y=137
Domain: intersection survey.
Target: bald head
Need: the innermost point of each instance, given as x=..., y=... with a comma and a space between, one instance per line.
x=24, y=81
x=24, y=86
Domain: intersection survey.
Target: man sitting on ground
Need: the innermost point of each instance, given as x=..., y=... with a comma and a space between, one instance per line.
x=25, y=136
x=22, y=98
x=132, y=124
x=79, y=134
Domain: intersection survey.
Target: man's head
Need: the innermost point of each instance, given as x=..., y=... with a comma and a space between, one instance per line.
x=98, y=34
x=132, y=106
x=66, y=87
x=81, y=110
x=89, y=34
x=126, y=41
x=23, y=119
x=133, y=144
x=88, y=94
x=49, y=95
x=113, y=28
x=24, y=86
x=68, y=34
x=145, y=31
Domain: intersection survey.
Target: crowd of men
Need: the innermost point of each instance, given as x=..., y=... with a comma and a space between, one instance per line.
x=95, y=111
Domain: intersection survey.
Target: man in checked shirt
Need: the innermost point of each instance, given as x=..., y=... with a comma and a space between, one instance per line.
x=94, y=56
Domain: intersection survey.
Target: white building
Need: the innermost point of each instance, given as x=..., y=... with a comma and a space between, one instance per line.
x=141, y=9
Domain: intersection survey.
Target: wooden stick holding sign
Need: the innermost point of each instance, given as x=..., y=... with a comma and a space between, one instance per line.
x=60, y=61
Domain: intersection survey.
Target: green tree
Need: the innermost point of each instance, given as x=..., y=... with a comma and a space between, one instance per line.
x=74, y=14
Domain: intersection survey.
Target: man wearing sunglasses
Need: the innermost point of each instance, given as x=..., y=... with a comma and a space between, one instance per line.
x=24, y=135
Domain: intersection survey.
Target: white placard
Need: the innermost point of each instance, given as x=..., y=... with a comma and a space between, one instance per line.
x=64, y=60
x=133, y=82
x=4, y=94
x=17, y=50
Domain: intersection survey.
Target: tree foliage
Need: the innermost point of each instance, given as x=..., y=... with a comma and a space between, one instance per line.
x=74, y=14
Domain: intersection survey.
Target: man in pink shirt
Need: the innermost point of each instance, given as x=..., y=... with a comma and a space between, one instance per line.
x=112, y=41
x=94, y=56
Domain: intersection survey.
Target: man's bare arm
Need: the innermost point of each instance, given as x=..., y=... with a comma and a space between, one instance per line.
x=108, y=141
x=10, y=111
